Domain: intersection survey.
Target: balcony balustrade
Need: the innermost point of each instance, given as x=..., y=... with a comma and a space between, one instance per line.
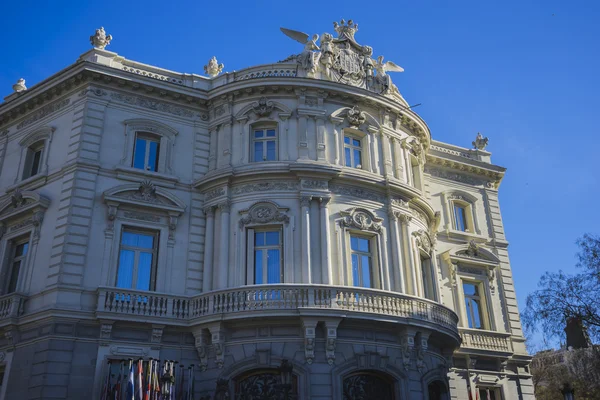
x=275, y=300
x=11, y=306
x=486, y=340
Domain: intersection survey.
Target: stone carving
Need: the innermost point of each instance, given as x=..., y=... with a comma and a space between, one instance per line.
x=384, y=80
x=147, y=191
x=361, y=219
x=224, y=206
x=219, y=354
x=480, y=142
x=96, y=91
x=44, y=111
x=152, y=105
x=309, y=349
x=322, y=185
x=406, y=347
x=423, y=240
x=342, y=59
x=305, y=201
x=19, y=86
x=157, y=332
x=309, y=58
x=17, y=200
x=213, y=68
x=36, y=221
x=262, y=213
x=421, y=349
x=105, y=331
x=100, y=39
x=399, y=203
x=222, y=390
x=111, y=216
x=263, y=108
x=264, y=187
x=492, y=279
x=355, y=116
x=449, y=151
x=214, y=193
x=470, y=270
x=452, y=270
x=140, y=216
x=21, y=224
x=356, y=192
x=330, y=350
x=473, y=250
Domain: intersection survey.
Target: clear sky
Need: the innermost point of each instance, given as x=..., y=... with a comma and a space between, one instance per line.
x=524, y=73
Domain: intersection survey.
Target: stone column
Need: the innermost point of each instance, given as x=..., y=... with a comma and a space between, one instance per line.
x=305, y=215
x=209, y=239
x=387, y=155
x=327, y=273
x=212, y=155
x=399, y=171
x=224, y=245
x=302, y=138
x=407, y=254
x=320, y=122
x=397, y=268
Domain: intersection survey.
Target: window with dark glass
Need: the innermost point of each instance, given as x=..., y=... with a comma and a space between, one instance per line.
x=368, y=385
x=352, y=152
x=33, y=160
x=473, y=305
x=489, y=394
x=17, y=262
x=427, y=277
x=460, y=218
x=146, y=152
x=362, y=261
x=137, y=259
x=264, y=145
x=267, y=256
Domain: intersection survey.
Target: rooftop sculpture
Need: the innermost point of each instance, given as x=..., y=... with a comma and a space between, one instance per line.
x=19, y=86
x=100, y=39
x=213, y=68
x=343, y=60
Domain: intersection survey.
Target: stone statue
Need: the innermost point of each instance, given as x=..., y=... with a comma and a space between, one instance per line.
x=327, y=53
x=19, y=86
x=100, y=39
x=213, y=68
x=383, y=78
x=480, y=142
x=309, y=58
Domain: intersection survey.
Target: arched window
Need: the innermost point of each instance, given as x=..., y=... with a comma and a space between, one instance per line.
x=368, y=385
x=34, y=153
x=264, y=384
x=437, y=390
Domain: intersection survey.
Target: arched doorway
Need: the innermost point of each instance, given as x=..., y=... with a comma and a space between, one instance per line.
x=264, y=384
x=368, y=385
x=437, y=390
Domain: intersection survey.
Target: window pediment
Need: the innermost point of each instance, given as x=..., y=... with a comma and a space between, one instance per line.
x=22, y=202
x=263, y=109
x=361, y=219
x=263, y=213
x=355, y=117
x=473, y=254
x=145, y=194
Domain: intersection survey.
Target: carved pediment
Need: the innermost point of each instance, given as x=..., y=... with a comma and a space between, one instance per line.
x=264, y=212
x=263, y=108
x=473, y=253
x=423, y=240
x=145, y=194
x=20, y=202
x=362, y=219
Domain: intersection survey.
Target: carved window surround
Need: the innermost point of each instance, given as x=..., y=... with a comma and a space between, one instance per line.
x=44, y=135
x=142, y=206
x=470, y=203
x=21, y=214
x=165, y=157
x=474, y=263
x=362, y=222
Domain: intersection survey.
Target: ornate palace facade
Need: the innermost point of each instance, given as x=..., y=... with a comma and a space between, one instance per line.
x=297, y=211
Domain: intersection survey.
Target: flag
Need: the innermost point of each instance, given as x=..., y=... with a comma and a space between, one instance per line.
x=106, y=388
x=117, y=390
x=139, y=393
x=180, y=384
x=148, y=380
x=129, y=394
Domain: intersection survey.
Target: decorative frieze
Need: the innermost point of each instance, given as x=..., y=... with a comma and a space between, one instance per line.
x=152, y=104
x=141, y=216
x=454, y=176
x=314, y=184
x=356, y=192
x=43, y=112
x=263, y=213
x=264, y=187
x=213, y=194
x=361, y=219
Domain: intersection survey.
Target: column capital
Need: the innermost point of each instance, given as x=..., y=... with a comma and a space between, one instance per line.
x=305, y=201
x=324, y=201
x=209, y=211
x=224, y=206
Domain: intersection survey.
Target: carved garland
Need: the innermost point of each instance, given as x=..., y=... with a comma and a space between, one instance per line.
x=361, y=219
x=263, y=213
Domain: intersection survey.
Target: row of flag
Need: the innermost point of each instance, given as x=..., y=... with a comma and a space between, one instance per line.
x=148, y=380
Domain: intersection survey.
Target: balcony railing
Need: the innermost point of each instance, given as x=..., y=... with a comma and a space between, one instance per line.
x=486, y=340
x=275, y=299
x=11, y=306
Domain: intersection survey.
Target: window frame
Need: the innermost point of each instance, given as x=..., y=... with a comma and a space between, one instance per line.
x=30, y=153
x=371, y=254
x=374, y=243
x=484, y=302
x=427, y=277
x=464, y=200
x=264, y=127
x=251, y=253
x=353, y=148
x=38, y=140
x=137, y=250
x=149, y=138
x=366, y=148
x=495, y=389
x=12, y=246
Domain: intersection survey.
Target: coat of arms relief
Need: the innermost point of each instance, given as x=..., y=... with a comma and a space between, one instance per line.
x=343, y=60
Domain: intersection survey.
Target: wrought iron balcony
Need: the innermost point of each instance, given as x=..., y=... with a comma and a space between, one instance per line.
x=11, y=306
x=272, y=300
x=485, y=340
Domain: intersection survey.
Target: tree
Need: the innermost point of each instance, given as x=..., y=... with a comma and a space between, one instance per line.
x=561, y=296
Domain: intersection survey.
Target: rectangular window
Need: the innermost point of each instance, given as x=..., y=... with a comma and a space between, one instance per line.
x=17, y=262
x=489, y=394
x=427, y=278
x=267, y=256
x=264, y=145
x=352, y=152
x=362, y=261
x=33, y=160
x=471, y=291
x=146, y=151
x=460, y=218
x=137, y=260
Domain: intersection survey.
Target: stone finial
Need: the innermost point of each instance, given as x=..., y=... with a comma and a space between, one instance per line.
x=480, y=142
x=100, y=39
x=213, y=68
x=19, y=86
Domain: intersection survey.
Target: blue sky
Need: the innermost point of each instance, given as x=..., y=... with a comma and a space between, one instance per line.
x=524, y=73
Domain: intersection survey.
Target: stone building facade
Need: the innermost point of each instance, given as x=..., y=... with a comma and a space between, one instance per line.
x=297, y=211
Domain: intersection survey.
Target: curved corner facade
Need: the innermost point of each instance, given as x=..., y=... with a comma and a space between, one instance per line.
x=233, y=222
